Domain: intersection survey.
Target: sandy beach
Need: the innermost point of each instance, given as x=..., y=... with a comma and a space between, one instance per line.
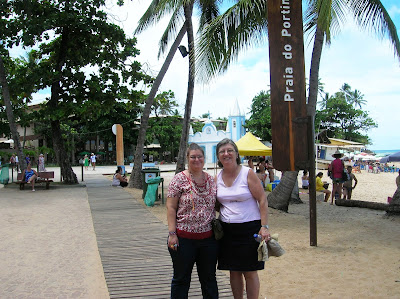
x=358, y=252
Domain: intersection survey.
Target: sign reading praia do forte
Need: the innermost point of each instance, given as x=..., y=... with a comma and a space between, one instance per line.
x=288, y=97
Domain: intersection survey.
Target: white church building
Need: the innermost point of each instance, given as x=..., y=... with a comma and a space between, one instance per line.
x=209, y=136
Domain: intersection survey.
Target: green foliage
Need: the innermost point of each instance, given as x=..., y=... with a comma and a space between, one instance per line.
x=166, y=130
x=76, y=46
x=164, y=103
x=259, y=122
x=342, y=120
x=197, y=126
x=5, y=156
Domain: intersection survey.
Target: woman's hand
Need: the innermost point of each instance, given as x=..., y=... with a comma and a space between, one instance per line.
x=173, y=242
x=264, y=233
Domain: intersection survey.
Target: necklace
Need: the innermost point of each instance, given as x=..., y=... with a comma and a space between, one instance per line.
x=191, y=180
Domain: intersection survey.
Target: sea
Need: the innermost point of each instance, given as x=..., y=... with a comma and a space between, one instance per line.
x=385, y=152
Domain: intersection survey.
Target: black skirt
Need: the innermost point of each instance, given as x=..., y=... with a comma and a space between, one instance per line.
x=238, y=249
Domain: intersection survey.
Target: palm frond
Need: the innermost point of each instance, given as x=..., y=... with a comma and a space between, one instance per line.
x=371, y=14
x=329, y=16
x=209, y=11
x=172, y=29
x=155, y=12
x=241, y=26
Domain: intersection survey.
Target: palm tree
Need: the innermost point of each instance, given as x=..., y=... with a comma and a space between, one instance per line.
x=346, y=89
x=180, y=10
x=357, y=98
x=180, y=163
x=245, y=24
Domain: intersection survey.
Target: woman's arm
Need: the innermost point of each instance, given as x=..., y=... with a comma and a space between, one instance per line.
x=120, y=177
x=172, y=207
x=258, y=193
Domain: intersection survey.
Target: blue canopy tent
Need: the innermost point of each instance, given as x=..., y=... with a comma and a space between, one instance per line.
x=391, y=158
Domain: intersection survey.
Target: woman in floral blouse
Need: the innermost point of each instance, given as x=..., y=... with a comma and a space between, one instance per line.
x=190, y=210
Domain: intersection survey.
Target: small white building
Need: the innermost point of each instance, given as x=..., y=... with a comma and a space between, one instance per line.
x=209, y=136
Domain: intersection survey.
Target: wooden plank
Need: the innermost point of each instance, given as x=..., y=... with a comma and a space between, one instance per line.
x=133, y=247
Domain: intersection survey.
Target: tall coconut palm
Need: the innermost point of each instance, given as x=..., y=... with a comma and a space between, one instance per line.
x=357, y=99
x=240, y=27
x=181, y=11
x=180, y=163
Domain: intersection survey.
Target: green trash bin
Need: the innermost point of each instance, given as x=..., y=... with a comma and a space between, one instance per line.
x=147, y=174
x=4, y=174
x=152, y=191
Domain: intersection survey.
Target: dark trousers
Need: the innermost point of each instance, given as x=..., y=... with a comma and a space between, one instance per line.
x=204, y=254
x=123, y=184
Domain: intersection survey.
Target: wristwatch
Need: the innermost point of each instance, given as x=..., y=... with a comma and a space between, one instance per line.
x=266, y=226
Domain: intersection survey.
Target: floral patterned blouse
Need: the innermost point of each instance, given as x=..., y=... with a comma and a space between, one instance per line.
x=196, y=205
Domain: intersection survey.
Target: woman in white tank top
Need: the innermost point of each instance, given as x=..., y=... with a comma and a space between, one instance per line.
x=243, y=213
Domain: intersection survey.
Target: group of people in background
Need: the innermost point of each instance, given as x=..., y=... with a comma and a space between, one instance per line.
x=342, y=180
x=263, y=169
x=90, y=161
x=14, y=162
x=192, y=200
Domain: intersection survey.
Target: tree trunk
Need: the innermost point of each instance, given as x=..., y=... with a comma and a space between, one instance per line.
x=362, y=204
x=67, y=173
x=295, y=196
x=180, y=164
x=279, y=198
x=314, y=73
x=10, y=115
x=394, y=206
x=135, y=180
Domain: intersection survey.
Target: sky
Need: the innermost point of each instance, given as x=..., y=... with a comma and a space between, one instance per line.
x=358, y=58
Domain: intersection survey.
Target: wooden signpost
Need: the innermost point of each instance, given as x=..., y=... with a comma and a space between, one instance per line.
x=288, y=98
x=119, y=132
x=292, y=140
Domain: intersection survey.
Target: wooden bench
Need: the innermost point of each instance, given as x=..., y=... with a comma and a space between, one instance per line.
x=43, y=177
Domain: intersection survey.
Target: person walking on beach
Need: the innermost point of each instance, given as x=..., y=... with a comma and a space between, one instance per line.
x=93, y=160
x=12, y=161
x=243, y=213
x=86, y=162
x=336, y=168
x=190, y=209
x=398, y=180
x=41, y=163
x=348, y=185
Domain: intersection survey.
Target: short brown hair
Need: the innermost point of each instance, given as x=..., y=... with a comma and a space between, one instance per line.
x=225, y=142
x=194, y=147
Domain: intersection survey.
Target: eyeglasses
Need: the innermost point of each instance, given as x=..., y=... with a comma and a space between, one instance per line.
x=229, y=151
x=196, y=157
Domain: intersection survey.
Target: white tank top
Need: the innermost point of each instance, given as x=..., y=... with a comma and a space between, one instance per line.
x=237, y=203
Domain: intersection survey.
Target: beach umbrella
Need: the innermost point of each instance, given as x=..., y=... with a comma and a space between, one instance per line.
x=100, y=153
x=83, y=153
x=391, y=158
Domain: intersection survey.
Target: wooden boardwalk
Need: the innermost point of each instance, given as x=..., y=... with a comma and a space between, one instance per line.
x=133, y=246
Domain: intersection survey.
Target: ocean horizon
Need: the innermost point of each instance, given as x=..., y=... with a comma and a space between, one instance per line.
x=385, y=152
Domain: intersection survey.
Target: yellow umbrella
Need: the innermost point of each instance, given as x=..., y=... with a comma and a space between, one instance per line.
x=249, y=145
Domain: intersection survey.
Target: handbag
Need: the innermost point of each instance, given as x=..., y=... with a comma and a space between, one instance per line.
x=217, y=229
x=345, y=176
